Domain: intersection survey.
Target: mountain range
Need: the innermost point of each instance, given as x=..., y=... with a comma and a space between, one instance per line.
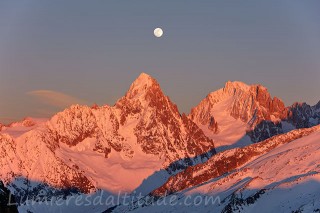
x=238, y=144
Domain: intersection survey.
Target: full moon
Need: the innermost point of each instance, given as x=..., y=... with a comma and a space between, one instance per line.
x=158, y=32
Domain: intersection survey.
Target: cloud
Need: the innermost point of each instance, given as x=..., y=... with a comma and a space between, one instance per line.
x=56, y=99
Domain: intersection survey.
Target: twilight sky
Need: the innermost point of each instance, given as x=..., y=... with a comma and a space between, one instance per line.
x=55, y=53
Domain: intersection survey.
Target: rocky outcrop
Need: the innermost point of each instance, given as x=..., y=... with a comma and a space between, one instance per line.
x=225, y=162
x=213, y=125
x=251, y=104
x=254, y=105
x=26, y=122
x=236, y=203
x=302, y=115
x=264, y=130
x=22, y=159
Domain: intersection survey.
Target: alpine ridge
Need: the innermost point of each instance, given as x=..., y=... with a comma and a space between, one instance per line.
x=262, y=115
x=144, y=144
x=141, y=134
x=251, y=104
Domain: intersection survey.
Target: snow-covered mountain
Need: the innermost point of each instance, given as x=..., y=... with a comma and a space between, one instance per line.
x=280, y=174
x=238, y=110
x=143, y=144
x=90, y=148
x=249, y=103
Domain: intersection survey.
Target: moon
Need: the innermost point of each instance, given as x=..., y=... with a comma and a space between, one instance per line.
x=158, y=32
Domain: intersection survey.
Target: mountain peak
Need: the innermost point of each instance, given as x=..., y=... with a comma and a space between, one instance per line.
x=144, y=75
x=143, y=78
x=240, y=83
x=236, y=85
x=252, y=104
x=141, y=85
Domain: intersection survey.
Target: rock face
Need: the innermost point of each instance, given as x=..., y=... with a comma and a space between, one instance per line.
x=302, y=115
x=226, y=161
x=26, y=122
x=160, y=129
x=144, y=117
x=213, y=125
x=251, y=104
x=264, y=130
x=30, y=157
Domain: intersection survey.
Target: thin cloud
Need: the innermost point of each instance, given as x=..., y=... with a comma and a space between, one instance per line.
x=56, y=99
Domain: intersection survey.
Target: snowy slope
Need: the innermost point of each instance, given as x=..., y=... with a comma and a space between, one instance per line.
x=281, y=174
x=18, y=128
x=231, y=131
x=110, y=173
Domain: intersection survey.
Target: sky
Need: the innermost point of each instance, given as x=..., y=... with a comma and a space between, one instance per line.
x=57, y=53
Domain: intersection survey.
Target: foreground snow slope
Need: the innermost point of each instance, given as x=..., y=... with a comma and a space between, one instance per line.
x=281, y=174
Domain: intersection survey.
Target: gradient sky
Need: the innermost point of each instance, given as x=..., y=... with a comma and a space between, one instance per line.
x=54, y=53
